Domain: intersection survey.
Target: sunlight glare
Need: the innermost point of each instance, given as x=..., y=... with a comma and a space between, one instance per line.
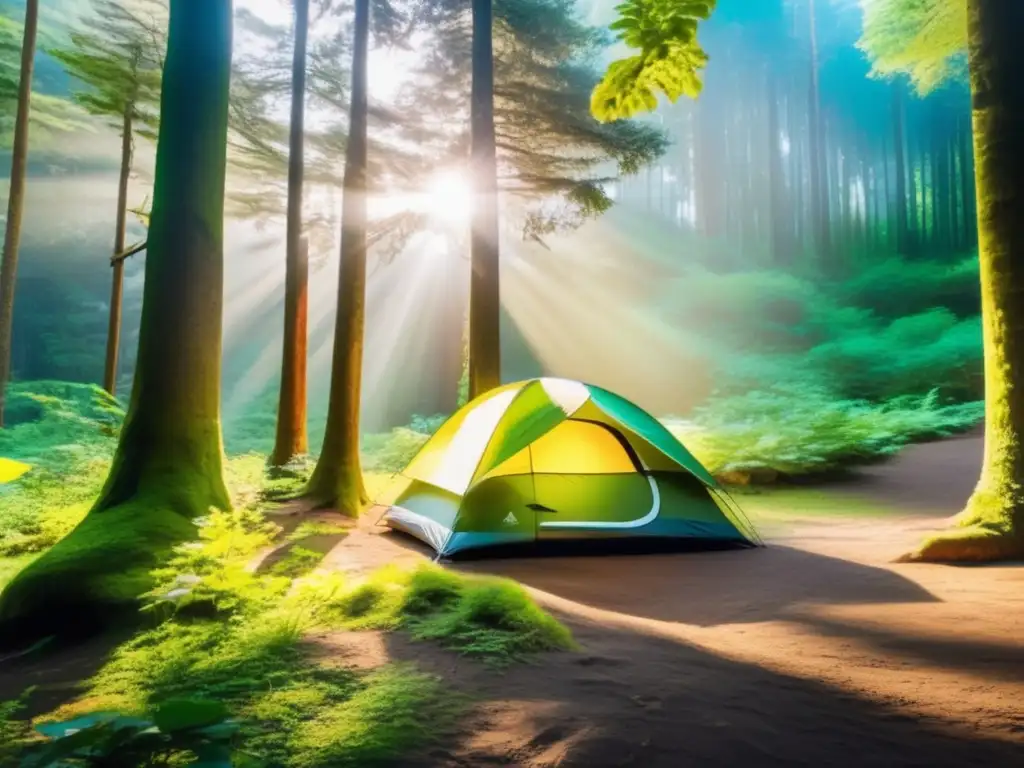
x=449, y=197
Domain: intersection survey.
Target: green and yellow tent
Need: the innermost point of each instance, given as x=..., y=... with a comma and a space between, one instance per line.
x=11, y=470
x=552, y=459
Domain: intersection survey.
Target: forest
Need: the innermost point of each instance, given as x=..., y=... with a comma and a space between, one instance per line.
x=269, y=265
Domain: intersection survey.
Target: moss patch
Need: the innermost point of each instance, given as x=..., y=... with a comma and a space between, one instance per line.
x=293, y=712
x=486, y=617
x=986, y=531
x=103, y=566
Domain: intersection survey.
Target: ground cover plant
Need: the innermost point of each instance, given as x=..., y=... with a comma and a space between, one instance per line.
x=215, y=629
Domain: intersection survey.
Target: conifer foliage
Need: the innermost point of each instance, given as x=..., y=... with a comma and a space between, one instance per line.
x=118, y=58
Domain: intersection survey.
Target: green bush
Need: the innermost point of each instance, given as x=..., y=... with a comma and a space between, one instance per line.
x=896, y=329
x=180, y=732
x=897, y=287
x=913, y=354
x=391, y=451
x=804, y=431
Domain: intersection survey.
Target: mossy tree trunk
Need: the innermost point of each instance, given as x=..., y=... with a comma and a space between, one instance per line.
x=992, y=526
x=485, y=277
x=167, y=469
x=117, y=268
x=16, y=198
x=291, y=440
x=337, y=480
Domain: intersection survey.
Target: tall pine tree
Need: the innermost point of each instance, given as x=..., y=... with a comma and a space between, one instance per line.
x=117, y=56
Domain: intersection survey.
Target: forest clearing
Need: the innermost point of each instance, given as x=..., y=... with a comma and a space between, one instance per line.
x=511, y=382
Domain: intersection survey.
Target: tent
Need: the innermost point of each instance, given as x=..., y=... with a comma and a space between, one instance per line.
x=552, y=459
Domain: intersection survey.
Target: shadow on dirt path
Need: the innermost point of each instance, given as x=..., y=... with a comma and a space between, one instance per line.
x=632, y=699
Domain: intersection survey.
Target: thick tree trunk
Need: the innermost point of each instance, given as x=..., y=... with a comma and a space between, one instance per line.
x=992, y=525
x=168, y=466
x=291, y=440
x=16, y=198
x=117, y=268
x=485, y=279
x=337, y=480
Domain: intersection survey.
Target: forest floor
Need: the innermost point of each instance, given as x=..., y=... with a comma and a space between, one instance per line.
x=817, y=650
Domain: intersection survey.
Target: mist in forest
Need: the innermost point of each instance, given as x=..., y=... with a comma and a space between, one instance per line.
x=772, y=244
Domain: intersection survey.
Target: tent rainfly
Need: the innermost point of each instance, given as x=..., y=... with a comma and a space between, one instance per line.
x=552, y=459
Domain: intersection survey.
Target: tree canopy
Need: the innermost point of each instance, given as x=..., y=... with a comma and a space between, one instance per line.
x=118, y=56
x=553, y=156
x=925, y=39
x=49, y=112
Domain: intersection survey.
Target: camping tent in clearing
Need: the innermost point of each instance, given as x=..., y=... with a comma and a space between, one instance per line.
x=552, y=459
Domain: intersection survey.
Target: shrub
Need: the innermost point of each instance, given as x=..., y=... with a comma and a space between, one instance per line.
x=912, y=354
x=897, y=287
x=392, y=451
x=806, y=430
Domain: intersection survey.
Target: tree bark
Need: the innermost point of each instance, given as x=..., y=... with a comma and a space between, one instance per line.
x=818, y=170
x=291, y=439
x=485, y=277
x=991, y=527
x=777, y=203
x=337, y=480
x=167, y=469
x=117, y=265
x=16, y=198
x=903, y=244
x=967, y=191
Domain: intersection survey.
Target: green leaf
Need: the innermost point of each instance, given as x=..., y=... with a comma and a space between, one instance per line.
x=183, y=714
x=212, y=756
x=69, y=727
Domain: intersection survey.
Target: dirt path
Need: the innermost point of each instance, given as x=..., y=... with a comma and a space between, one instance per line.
x=815, y=651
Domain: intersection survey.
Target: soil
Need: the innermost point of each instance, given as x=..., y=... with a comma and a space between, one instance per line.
x=816, y=651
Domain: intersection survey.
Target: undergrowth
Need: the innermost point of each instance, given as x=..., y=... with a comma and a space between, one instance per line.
x=806, y=431
x=222, y=631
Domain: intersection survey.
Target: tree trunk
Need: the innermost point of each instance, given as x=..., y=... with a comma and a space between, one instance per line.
x=485, y=279
x=338, y=478
x=992, y=525
x=777, y=203
x=167, y=469
x=902, y=201
x=819, y=190
x=16, y=198
x=967, y=191
x=291, y=440
x=117, y=268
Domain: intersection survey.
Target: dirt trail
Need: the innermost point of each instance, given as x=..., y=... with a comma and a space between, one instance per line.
x=815, y=651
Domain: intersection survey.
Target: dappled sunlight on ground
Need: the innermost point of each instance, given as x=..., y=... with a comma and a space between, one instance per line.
x=815, y=650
